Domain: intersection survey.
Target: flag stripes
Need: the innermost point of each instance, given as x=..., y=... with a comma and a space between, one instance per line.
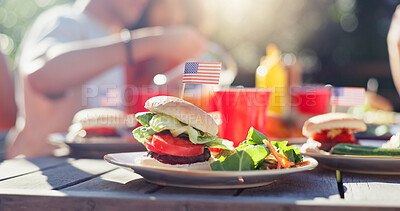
x=201, y=72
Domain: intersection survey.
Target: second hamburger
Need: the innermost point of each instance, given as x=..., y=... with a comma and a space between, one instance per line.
x=326, y=130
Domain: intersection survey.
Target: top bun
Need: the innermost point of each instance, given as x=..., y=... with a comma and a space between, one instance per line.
x=329, y=121
x=184, y=112
x=100, y=117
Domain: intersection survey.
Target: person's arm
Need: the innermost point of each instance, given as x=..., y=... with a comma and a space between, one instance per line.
x=8, y=108
x=71, y=64
x=393, y=41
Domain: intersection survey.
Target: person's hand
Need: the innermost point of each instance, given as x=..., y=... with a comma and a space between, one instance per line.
x=172, y=43
x=393, y=42
x=181, y=43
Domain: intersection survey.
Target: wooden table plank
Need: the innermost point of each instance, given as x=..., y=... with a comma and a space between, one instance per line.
x=195, y=192
x=380, y=188
x=119, y=180
x=72, y=172
x=12, y=199
x=88, y=184
x=318, y=183
x=16, y=167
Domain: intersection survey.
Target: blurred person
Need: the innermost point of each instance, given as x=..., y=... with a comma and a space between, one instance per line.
x=393, y=42
x=8, y=108
x=72, y=52
x=170, y=13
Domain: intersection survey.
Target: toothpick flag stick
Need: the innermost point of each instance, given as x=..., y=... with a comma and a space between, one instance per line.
x=333, y=108
x=201, y=73
x=183, y=90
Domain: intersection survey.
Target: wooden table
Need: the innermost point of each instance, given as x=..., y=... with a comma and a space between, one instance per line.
x=51, y=183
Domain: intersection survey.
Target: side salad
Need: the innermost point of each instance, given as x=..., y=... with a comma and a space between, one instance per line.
x=257, y=153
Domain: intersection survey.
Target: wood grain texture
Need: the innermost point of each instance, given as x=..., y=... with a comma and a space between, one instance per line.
x=89, y=184
x=72, y=200
x=119, y=180
x=380, y=188
x=16, y=167
x=72, y=172
x=195, y=192
x=318, y=183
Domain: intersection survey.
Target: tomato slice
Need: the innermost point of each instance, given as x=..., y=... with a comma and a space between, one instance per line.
x=165, y=143
x=150, y=147
x=320, y=137
x=100, y=130
x=328, y=143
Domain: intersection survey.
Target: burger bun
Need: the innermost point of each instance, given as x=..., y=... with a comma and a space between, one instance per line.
x=151, y=162
x=330, y=121
x=183, y=111
x=100, y=117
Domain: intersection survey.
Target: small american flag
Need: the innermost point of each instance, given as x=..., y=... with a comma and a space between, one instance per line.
x=348, y=96
x=202, y=73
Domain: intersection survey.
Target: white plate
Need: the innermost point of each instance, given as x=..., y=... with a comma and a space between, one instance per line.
x=94, y=149
x=200, y=178
x=360, y=164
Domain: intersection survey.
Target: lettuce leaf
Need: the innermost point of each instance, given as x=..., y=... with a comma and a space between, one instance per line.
x=155, y=123
x=255, y=137
x=244, y=160
x=251, y=154
x=142, y=133
x=220, y=144
x=264, y=164
x=293, y=154
x=280, y=145
x=161, y=122
x=144, y=118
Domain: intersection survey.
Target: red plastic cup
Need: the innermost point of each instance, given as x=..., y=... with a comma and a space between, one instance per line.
x=241, y=108
x=311, y=99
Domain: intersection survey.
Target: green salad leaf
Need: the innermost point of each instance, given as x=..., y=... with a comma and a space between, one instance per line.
x=161, y=122
x=144, y=118
x=251, y=154
x=255, y=137
x=220, y=144
x=293, y=154
x=244, y=160
x=142, y=133
x=155, y=123
x=280, y=145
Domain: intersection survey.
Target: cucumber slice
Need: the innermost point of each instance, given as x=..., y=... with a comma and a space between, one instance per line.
x=353, y=149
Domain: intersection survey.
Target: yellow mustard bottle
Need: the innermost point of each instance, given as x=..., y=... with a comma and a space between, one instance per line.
x=272, y=74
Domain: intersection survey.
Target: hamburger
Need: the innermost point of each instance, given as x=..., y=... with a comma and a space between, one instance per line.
x=326, y=130
x=100, y=125
x=176, y=132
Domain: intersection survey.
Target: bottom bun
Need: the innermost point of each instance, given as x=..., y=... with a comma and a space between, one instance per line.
x=147, y=161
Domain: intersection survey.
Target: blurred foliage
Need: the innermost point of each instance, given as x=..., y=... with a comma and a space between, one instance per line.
x=318, y=32
x=15, y=18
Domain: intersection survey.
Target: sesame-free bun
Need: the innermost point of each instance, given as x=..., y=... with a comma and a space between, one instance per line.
x=332, y=121
x=100, y=117
x=147, y=161
x=184, y=112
